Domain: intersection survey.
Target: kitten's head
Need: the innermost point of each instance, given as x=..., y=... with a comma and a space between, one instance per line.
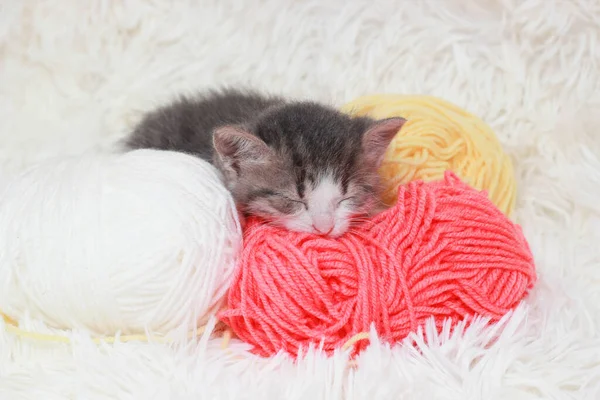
x=305, y=166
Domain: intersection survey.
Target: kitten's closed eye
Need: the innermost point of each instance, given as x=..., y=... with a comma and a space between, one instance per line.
x=285, y=204
x=346, y=200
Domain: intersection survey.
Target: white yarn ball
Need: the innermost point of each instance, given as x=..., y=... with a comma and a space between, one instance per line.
x=117, y=243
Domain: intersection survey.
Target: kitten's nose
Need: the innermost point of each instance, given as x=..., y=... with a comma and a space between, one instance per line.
x=323, y=226
x=323, y=232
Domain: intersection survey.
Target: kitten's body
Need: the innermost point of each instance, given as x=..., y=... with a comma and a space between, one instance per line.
x=187, y=124
x=302, y=165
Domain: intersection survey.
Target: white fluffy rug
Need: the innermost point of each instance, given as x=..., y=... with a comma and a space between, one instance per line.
x=75, y=76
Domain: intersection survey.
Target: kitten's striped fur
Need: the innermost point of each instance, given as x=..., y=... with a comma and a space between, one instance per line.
x=299, y=164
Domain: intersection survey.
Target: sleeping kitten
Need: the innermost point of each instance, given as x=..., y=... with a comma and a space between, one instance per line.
x=301, y=165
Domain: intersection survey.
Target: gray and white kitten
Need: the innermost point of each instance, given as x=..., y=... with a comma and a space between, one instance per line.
x=299, y=164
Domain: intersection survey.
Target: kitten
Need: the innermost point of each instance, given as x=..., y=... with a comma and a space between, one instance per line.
x=299, y=164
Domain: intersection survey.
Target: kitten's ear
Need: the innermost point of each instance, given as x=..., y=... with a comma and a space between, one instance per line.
x=378, y=137
x=235, y=147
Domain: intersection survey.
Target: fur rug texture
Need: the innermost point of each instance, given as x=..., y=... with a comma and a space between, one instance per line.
x=76, y=75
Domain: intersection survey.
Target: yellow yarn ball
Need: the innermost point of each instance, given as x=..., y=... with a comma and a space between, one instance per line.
x=439, y=136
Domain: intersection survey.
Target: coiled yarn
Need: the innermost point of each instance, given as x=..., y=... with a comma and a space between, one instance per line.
x=437, y=137
x=444, y=251
x=129, y=243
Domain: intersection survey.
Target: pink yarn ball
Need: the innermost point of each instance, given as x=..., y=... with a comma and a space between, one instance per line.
x=444, y=250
